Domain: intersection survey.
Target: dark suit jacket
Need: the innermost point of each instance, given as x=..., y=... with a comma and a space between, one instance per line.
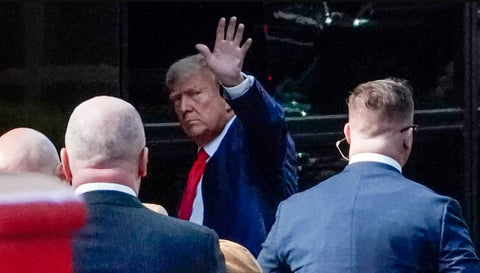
x=121, y=235
x=369, y=218
x=253, y=169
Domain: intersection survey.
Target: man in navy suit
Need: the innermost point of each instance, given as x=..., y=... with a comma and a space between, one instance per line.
x=105, y=158
x=369, y=217
x=251, y=165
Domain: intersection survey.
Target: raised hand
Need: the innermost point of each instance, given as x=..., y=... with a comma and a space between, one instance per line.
x=226, y=60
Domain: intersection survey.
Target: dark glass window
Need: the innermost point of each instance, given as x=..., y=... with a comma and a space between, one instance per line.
x=309, y=55
x=161, y=33
x=339, y=45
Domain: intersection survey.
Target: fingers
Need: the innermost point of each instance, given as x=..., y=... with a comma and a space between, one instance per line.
x=230, y=34
x=246, y=46
x=239, y=35
x=204, y=50
x=231, y=28
x=220, y=30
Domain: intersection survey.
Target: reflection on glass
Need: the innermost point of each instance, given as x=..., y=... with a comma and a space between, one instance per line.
x=336, y=46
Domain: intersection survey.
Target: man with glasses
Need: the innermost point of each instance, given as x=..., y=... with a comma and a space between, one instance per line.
x=369, y=217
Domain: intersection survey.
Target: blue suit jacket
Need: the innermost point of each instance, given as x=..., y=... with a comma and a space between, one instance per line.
x=369, y=218
x=121, y=235
x=253, y=169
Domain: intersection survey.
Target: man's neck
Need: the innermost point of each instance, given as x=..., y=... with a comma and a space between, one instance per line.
x=375, y=157
x=115, y=176
x=102, y=186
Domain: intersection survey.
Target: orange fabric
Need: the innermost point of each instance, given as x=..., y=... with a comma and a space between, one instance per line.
x=194, y=176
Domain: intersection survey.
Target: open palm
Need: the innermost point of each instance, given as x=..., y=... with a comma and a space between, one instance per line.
x=226, y=60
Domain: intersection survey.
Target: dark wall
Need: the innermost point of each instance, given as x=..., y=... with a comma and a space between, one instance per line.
x=52, y=57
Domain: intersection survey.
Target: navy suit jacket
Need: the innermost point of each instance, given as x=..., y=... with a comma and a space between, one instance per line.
x=253, y=169
x=123, y=236
x=369, y=218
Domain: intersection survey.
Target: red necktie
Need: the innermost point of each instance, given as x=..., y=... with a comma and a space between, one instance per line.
x=194, y=176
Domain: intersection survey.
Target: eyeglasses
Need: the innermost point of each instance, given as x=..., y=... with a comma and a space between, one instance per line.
x=414, y=127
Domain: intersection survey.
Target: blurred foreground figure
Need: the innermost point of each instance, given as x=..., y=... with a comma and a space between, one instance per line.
x=38, y=217
x=370, y=218
x=28, y=150
x=105, y=158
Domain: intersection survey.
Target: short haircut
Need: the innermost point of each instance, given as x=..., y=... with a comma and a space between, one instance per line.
x=391, y=96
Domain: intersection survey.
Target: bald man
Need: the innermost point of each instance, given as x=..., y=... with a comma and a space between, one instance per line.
x=105, y=157
x=28, y=150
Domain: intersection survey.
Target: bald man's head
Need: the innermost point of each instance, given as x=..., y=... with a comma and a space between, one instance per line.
x=27, y=150
x=105, y=142
x=104, y=130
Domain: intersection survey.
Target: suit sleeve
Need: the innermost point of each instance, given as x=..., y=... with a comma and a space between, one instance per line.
x=456, y=253
x=261, y=116
x=266, y=135
x=215, y=258
x=270, y=257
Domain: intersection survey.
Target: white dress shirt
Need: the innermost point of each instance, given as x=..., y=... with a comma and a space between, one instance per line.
x=211, y=147
x=101, y=186
x=362, y=157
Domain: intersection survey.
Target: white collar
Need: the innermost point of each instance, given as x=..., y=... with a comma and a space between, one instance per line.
x=101, y=186
x=362, y=157
x=211, y=147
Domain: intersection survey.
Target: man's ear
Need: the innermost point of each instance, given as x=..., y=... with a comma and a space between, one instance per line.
x=228, y=107
x=66, y=165
x=143, y=162
x=408, y=139
x=61, y=174
x=346, y=132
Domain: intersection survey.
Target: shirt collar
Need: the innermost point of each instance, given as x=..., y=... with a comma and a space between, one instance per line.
x=362, y=157
x=100, y=186
x=211, y=147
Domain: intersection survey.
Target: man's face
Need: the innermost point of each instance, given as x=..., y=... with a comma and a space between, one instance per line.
x=201, y=110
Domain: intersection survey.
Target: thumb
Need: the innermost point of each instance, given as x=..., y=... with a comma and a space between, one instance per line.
x=204, y=50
